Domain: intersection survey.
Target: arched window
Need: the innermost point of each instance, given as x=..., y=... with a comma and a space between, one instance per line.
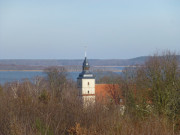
x=88, y=83
x=88, y=91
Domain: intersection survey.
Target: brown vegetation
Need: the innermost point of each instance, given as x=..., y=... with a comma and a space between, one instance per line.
x=50, y=106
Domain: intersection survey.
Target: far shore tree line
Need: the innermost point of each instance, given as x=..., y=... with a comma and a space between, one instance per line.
x=51, y=106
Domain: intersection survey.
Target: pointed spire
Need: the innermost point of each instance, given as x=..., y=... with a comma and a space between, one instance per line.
x=85, y=70
x=85, y=64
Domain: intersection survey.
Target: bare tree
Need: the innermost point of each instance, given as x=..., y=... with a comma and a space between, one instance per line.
x=14, y=87
x=57, y=79
x=157, y=84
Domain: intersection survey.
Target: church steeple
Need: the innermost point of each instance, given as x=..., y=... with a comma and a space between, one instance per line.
x=85, y=70
x=86, y=84
x=86, y=65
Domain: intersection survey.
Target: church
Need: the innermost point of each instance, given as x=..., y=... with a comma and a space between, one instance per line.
x=86, y=84
x=90, y=92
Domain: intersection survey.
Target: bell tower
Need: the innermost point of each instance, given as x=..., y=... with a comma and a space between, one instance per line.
x=86, y=84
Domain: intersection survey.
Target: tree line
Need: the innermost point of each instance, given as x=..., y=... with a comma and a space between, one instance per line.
x=50, y=105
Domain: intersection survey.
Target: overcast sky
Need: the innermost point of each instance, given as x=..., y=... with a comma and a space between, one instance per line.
x=58, y=29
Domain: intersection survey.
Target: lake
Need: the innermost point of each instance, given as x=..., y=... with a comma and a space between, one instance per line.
x=10, y=76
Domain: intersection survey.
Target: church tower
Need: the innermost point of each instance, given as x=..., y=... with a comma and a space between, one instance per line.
x=86, y=84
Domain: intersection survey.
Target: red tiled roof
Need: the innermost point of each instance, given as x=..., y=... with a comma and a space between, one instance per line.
x=114, y=92
x=106, y=92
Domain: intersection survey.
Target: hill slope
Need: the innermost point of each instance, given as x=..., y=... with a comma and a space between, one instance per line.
x=28, y=64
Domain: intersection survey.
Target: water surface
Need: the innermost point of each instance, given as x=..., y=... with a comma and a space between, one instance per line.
x=10, y=76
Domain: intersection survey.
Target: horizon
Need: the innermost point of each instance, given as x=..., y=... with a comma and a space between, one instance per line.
x=115, y=29
x=78, y=58
x=87, y=58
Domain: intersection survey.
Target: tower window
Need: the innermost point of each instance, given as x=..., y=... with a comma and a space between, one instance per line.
x=88, y=91
x=88, y=83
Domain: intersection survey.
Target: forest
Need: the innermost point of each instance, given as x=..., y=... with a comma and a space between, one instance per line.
x=51, y=106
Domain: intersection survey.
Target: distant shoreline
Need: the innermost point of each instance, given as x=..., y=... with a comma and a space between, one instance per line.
x=25, y=70
x=43, y=71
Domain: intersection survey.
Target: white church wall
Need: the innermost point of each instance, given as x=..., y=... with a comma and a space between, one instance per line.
x=88, y=90
x=88, y=100
x=88, y=86
x=88, y=83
